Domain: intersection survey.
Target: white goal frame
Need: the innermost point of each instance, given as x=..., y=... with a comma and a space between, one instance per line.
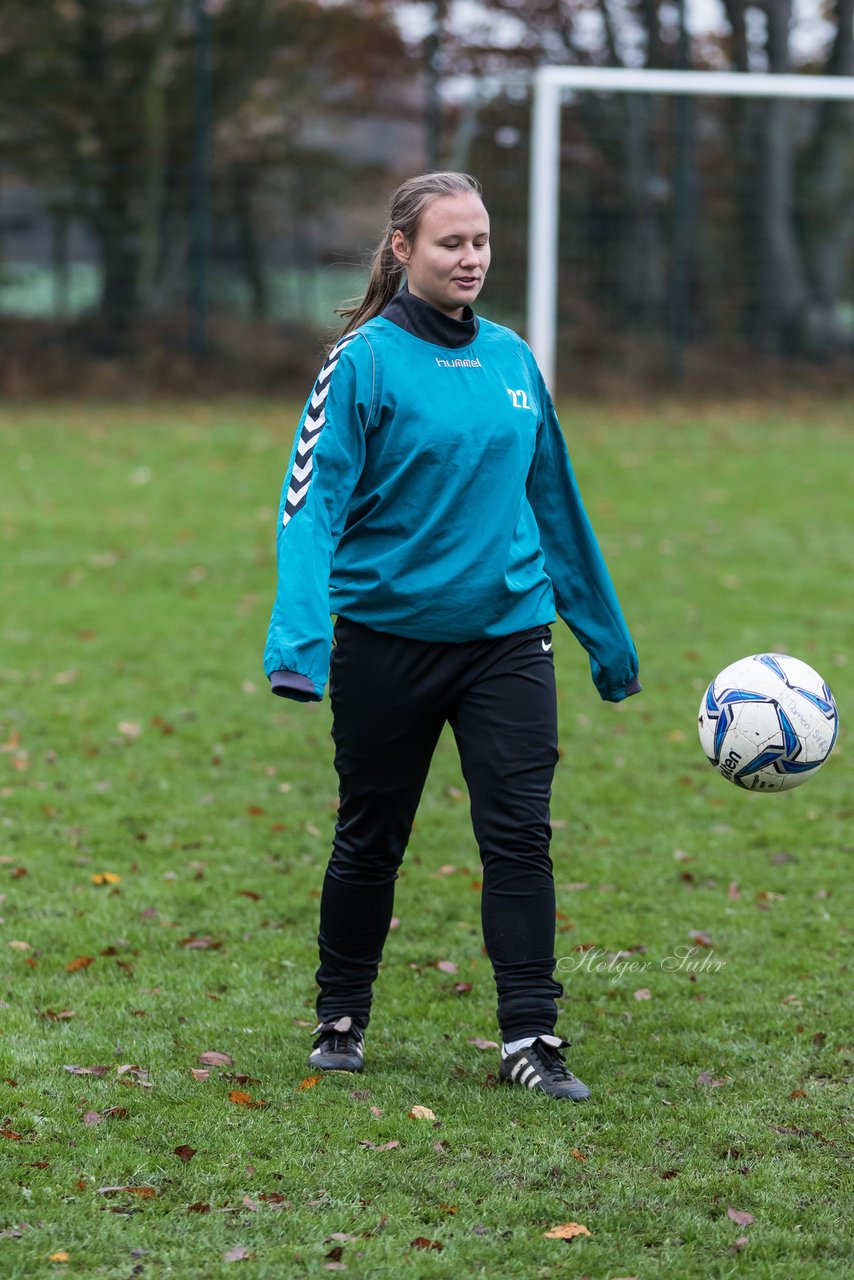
x=549, y=83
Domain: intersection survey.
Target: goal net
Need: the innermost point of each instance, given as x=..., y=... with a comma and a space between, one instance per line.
x=688, y=222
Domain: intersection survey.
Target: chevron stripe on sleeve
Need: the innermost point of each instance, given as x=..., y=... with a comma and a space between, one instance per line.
x=312, y=426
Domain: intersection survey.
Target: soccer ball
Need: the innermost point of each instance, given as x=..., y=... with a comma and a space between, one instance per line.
x=768, y=722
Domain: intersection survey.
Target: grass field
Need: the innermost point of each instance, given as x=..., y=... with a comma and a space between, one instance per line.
x=165, y=823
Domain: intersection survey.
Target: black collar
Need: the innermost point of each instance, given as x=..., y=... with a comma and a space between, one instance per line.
x=417, y=317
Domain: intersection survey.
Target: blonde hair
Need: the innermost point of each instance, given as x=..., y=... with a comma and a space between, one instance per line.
x=406, y=207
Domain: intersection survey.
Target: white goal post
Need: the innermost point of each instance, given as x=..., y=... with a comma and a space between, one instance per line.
x=549, y=83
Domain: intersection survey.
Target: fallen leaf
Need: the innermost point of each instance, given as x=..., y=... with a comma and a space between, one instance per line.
x=739, y=1217
x=87, y=1071
x=480, y=1043
x=739, y=1243
x=11, y=1135
x=211, y=1058
x=194, y=943
x=421, y=1113
x=19, y=945
x=185, y=1153
x=421, y=1242
x=576, y=1154
x=81, y=962
x=62, y=1016
x=238, y=1254
x=91, y=1118
x=340, y=1237
x=798, y=1093
x=198, y=1207
x=706, y=1077
x=106, y=877
x=700, y=937
x=199, y=1073
x=566, y=1231
x=376, y=1111
x=309, y=1082
x=241, y=1099
x=59, y=1256
x=447, y=966
x=643, y=993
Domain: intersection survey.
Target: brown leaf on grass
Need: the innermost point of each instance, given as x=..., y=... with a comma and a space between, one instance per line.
x=276, y=1199
x=739, y=1243
x=385, y=1146
x=239, y=1077
x=706, y=1077
x=700, y=938
x=566, y=1231
x=798, y=1093
x=669, y=1173
x=309, y=1082
x=200, y=1073
x=421, y=1242
x=447, y=966
x=643, y=993
x=185, y=1153
x=480, y=1043
x=238, y=1254
x=198, y=1207
x=733, y=892
x=340, y=1237
x=194, y=943
x=211, y=1058
x=87, y=1071
x=249, y=893
x=739, y=1217
x=250, y=1204
x=421, y=1113
x=91, y=1118
x=577, y=1155
x=105, y=877
x=145, y=1193
x=241, y=1099
x=59, y=1256
x=119, y=1113
x=12, y=1135
x=81, y=962
x=462, y=988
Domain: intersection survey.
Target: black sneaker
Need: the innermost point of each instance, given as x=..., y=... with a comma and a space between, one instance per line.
x=541, y=1066
x=339, y=1046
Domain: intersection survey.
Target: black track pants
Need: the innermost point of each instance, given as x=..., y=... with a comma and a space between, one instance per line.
x=390, y=700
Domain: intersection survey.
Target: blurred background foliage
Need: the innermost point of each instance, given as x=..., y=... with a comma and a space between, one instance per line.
x=189, y=187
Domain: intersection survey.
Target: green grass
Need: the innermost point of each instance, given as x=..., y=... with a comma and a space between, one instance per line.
x=137, y=738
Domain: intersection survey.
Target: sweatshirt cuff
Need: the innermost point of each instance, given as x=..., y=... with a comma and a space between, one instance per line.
x=634, y=686
x=290, y=684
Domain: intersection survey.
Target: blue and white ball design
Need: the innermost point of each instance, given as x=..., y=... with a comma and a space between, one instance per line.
x=768, y=722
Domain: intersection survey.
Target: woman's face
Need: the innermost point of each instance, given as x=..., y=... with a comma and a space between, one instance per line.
x=447, y=262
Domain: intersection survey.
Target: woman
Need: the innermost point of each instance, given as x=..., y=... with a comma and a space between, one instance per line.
x=430, y=504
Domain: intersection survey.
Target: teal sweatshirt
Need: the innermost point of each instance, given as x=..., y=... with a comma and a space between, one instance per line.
x=430, y=494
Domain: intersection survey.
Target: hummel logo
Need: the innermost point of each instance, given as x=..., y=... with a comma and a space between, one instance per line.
x=546, y=647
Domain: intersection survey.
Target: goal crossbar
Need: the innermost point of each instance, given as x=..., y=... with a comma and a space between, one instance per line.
x=549, y=85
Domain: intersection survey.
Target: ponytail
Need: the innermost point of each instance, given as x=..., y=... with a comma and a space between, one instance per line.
x=406, y=207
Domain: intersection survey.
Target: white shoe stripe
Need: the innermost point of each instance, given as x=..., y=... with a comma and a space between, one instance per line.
x=534, y=1081
x=520, y=1066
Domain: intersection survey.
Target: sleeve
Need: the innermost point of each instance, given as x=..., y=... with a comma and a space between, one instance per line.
x=584, y=593
x=326, y=462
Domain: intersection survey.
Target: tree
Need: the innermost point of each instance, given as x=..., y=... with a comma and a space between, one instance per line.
x=97, y=104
